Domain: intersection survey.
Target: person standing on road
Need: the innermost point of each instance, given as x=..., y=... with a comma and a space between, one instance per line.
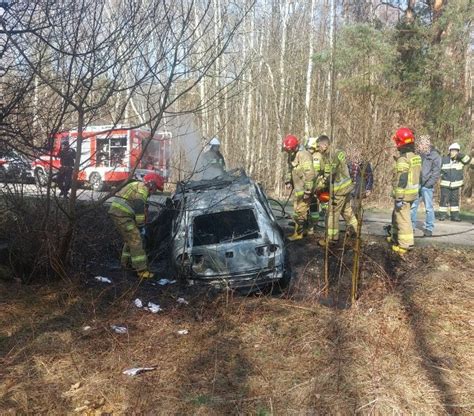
x=128, y=213
x=452, y=180
x=67, y=158
x=300, y=176
x=362, y=176
x=406, y=184
x=337, y=180
x=430, y=173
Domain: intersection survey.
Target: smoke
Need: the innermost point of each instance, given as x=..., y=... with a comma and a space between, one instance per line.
x=187, y=147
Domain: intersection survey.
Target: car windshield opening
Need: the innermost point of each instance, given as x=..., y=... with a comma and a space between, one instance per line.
x=225, y=227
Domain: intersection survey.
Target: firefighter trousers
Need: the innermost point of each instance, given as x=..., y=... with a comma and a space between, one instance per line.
x=449, y=198
x=300, y=210
x=339, y=205
x=132, y=251
x=402, y=227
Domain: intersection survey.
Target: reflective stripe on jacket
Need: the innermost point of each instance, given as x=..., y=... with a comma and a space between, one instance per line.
x=406, y=177
x=300, y=172
x=336, y=172
x=452, y=171
x=130, y=201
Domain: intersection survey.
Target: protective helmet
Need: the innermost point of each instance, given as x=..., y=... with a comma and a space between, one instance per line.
x=403, y=136
x=154, y=180
x=454, y=146
x=215, y=142
x=290, y=143
x=312, y=143
x=323, y=196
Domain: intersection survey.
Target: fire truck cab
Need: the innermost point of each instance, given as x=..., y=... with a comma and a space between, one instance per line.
x=108, y=155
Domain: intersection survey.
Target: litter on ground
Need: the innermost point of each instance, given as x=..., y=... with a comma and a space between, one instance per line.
x=153, y=307
x=135, y=371
x=164, y=282
x=103, y=279
x=183, y=332
x=138, y=303
x=119, y=329
x=182, y=301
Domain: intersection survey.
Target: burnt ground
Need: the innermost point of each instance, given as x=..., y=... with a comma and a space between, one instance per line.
x=405, y=346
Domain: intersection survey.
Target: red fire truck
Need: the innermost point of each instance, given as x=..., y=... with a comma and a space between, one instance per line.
x=108, y=155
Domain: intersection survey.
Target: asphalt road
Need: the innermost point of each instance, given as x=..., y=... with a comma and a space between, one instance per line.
x=445, y=233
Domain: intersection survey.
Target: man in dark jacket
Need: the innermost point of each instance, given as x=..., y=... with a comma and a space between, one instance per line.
x=67, y=157
x=430, y=172
x=362, y=175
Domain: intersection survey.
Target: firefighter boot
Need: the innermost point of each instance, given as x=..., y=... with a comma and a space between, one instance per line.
x=388, y=233
x=455, y=217
x=399, y=250
x=145, y=275
x=297, y=234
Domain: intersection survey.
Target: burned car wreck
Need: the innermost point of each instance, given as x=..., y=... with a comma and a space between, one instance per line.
x=223, y=233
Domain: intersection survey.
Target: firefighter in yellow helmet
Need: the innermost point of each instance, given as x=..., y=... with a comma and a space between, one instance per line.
x=300, y=175
x=128, y=213
x=314, y=206
x=336, y=178
x=406, y=184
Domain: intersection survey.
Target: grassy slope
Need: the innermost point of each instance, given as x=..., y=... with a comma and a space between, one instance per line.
x=406, y=347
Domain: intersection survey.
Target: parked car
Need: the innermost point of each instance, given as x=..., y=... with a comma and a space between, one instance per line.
x=14, y=167
x=224, y=233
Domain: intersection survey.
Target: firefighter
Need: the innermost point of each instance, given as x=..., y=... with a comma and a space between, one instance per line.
x=67, y=158
x=128, y=213
x=314, y=206
x=337, y=181
x=406, y=184
x=452, y=179
x=300, y=176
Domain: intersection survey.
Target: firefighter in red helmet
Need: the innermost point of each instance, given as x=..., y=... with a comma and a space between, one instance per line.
x=128, y=213
x=300, y=175
x=406, y=183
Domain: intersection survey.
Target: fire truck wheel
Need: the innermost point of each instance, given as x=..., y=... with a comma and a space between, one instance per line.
x=40, y=178
x=96, y=182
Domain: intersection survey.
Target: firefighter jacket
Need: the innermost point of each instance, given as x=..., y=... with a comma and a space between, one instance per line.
x=130, y=202
x=406, y=175
x=336, y=173
x=452, y=171
x=317, y=165
x=300, y=172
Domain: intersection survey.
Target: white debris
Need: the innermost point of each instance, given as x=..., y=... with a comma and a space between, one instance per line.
x=138, y=303
x=103, y=279
x=135, y=371
x=182, y=301
x=164, y=282
x=119, y=329
x=86, y=328
x=183, y=332
x=153, y=307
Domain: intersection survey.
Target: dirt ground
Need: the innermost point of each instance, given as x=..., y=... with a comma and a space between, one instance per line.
x=405, y=346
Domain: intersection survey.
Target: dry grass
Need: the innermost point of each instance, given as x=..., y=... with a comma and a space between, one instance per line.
x=405, y=348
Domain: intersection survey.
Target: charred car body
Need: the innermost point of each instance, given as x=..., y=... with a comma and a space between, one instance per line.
x=225, y=234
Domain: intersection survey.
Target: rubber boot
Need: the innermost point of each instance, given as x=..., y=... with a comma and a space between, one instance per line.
x=399, y=250
x=456, y=217
x=442, y=217
x=297, y=234
x=145, y=275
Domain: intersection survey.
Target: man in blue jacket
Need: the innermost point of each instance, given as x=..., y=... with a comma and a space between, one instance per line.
x=430, y=173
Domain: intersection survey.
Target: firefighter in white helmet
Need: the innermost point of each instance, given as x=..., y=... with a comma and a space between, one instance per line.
x=452, y=179
x=213, y=164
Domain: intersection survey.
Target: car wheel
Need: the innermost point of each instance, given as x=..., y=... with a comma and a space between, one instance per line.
x=40, y=178
x=96, y=182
